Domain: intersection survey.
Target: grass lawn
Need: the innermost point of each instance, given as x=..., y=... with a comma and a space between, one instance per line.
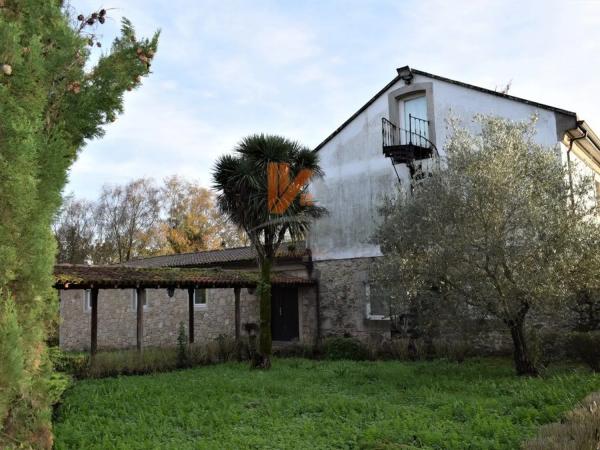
x=303, y=404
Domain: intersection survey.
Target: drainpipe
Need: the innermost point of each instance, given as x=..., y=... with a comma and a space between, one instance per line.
x=569, y=163
x=310, y=269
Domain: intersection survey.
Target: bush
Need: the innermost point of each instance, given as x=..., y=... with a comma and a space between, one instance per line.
x=586, y=346
x=131, y=362
x=297, y=350
x=578, y=431
x=73, y=363
x=345, y=348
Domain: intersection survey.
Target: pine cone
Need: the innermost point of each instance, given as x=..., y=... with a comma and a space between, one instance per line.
x=80, y=17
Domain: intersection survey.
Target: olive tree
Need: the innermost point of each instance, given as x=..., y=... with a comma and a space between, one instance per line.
x=499, y=227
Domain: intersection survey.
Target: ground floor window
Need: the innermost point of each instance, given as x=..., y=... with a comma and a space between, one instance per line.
x=87, y=300
x=134, y=300
x=200, y=298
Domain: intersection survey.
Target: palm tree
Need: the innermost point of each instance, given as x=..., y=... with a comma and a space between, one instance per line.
x=241, y=180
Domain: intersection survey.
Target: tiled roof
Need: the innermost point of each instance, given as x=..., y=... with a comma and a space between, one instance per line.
x=78, y=276
x=216, y=257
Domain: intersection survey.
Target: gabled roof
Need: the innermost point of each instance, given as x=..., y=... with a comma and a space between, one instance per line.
x=81, y=276
x=218, y=257
x=448, y=80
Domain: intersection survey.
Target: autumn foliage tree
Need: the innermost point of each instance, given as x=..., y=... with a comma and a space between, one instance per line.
x=51, y=103
x=500, y=229
x=193, y=221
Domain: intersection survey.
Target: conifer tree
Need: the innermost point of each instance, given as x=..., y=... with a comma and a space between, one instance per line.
x=51, y=103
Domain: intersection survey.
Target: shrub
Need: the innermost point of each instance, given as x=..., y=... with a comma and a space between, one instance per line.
x=131, y=362
x=73, y=363
x=296, y=350
x=578, y=431
x=345, y=348
x=586, y=346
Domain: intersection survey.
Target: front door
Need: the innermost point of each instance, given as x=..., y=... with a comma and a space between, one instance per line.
x=284, y=313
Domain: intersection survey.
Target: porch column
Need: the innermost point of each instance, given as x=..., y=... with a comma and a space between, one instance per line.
x=94, y=325
x=191, y=315
x=236, y=292
x=141, y=300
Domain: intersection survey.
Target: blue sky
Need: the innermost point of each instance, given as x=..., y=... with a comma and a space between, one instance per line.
x=300, y=68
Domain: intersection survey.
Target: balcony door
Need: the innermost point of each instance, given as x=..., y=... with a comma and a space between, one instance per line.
x=414, y=116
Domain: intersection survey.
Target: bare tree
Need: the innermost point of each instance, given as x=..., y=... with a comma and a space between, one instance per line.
x=127, y=218
x=74, y=229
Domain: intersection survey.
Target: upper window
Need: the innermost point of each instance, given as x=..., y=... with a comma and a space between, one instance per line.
x=200, y=297
x=87, y=300
x=134, y=299
x=414, y=116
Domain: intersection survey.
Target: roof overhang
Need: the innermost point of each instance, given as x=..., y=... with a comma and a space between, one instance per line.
x=586, y=144
x=80, y=276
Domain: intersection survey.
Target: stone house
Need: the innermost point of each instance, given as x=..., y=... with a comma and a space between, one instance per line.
x=402, y=125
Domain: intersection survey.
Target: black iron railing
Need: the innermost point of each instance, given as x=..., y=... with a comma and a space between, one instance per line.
x=416, y=133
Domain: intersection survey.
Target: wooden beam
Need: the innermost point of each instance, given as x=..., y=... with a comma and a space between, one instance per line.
x=191, y=315
x=236, y=292
x=94, y=324
x=141, y=299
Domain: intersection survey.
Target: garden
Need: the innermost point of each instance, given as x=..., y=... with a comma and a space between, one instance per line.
x=318, y=404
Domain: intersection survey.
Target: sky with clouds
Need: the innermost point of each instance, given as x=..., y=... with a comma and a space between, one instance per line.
x=225, y=69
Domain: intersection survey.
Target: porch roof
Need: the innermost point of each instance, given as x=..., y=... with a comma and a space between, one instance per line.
x=80, y=276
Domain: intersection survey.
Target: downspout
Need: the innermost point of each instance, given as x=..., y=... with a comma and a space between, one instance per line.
x=569, y=164
x=310, y=269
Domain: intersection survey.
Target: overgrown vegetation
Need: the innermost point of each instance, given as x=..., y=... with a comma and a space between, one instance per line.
x=579, y=430
x=320, y=405
x=51, y=103
x=586, y=346
x=111, y=363
x=501, y=229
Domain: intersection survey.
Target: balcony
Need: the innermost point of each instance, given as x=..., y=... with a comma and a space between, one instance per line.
x=407, y=146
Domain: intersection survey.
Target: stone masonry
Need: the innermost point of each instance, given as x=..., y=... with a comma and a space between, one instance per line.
x=162, y=316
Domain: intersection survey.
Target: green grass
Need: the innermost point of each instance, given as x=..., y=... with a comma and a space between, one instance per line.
x=303, y=404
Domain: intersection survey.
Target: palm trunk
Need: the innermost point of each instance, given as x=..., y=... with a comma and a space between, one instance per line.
x=523, y=362
x=265, y=341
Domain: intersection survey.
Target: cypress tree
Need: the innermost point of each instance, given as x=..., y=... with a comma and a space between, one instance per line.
x=51, y=103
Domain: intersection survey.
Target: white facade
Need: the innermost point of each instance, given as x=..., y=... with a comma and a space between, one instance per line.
x=358, y=175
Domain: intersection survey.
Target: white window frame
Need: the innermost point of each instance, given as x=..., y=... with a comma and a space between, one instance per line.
x=134, y=299
x=87, y=300
x=201, y=305
x=369, y=315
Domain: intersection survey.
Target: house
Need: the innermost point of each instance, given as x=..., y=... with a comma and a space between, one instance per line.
x=379, y=146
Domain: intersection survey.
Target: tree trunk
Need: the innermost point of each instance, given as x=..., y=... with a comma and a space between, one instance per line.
x=263, y=360
x=523, y=362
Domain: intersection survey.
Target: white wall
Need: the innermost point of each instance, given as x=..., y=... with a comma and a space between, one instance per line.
x=357, y=175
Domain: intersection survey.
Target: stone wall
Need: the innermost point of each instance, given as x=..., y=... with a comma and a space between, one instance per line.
x=162, y=316
x=343, y=302
x=343, y=299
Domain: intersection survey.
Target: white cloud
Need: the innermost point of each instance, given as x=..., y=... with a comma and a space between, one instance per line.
x=227, y=69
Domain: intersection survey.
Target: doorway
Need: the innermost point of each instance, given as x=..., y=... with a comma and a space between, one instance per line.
x=284, y=313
